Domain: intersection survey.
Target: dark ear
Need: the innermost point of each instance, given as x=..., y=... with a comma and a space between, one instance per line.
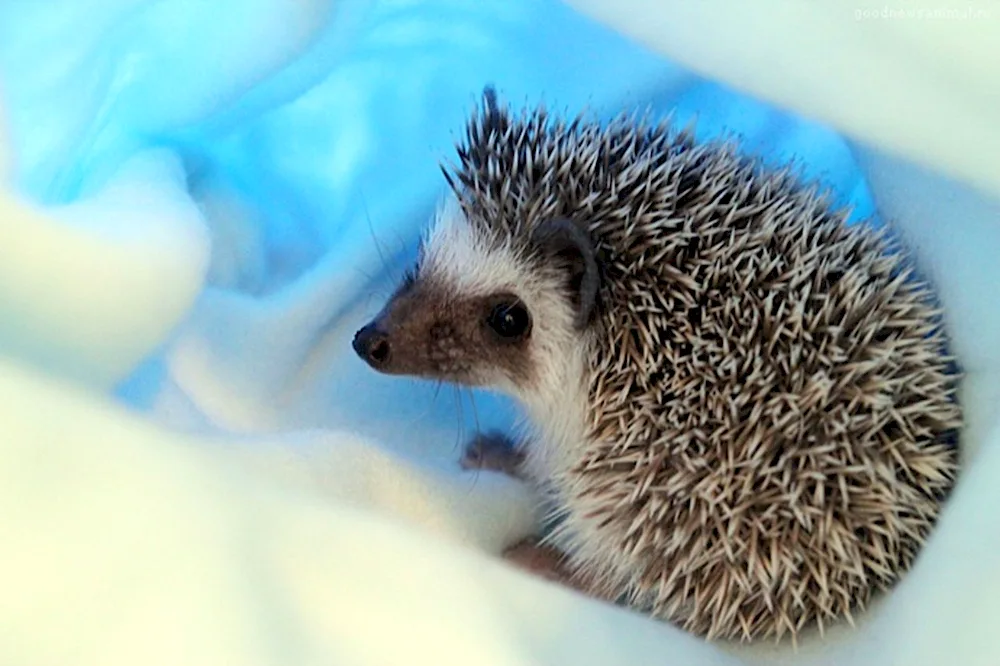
x=569, y=246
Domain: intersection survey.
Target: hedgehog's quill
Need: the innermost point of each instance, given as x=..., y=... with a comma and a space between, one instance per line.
x=741, y=409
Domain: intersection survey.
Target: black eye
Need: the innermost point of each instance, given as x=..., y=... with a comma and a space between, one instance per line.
x=510, y=319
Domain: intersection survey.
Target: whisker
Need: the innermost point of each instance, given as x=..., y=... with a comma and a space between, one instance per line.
x=475, y=419
x=371, y=230
x=475, y=412
x=461, y=416
x=364, y=274
x=462, y=440
x=386, y=268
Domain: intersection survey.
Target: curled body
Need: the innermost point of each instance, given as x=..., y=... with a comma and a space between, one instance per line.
x=741, y=410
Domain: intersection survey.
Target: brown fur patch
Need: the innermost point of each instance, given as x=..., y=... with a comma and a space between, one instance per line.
x=436, y=334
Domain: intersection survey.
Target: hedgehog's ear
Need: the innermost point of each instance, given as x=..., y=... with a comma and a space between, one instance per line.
x=570, y=247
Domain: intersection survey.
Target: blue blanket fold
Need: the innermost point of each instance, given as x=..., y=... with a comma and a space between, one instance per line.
x=311, y=133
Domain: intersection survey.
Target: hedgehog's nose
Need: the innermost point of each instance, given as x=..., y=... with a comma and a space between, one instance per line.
x=372, y=345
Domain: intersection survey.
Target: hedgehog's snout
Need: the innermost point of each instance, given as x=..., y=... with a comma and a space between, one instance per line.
x=408, y=336
x=372, y=344
x=439, y=333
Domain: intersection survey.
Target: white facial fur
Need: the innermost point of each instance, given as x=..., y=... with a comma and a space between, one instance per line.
x=471, y=263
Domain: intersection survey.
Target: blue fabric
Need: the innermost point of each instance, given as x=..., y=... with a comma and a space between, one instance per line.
x=335, y=151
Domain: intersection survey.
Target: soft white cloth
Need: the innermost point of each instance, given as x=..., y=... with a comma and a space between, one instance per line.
x=248, y=492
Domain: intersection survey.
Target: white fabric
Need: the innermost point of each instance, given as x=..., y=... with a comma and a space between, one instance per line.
x=923, y=78
x=265, y=505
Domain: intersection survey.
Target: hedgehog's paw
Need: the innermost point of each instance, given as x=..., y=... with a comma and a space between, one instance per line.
x=551, y=564
x=543, y=561
x=492, y=451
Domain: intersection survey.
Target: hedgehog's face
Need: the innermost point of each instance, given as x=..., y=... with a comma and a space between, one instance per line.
x=487, y=311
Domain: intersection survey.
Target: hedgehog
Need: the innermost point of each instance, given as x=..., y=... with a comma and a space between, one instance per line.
x=741, y=410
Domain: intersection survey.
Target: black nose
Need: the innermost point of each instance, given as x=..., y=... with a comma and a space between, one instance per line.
x=372, y=345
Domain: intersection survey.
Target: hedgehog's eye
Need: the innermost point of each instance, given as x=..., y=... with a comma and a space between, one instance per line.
x=510, y=319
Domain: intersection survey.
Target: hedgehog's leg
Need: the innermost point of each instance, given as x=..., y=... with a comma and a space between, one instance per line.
x=551, y=564
x=544, y=561
x=495, y=452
